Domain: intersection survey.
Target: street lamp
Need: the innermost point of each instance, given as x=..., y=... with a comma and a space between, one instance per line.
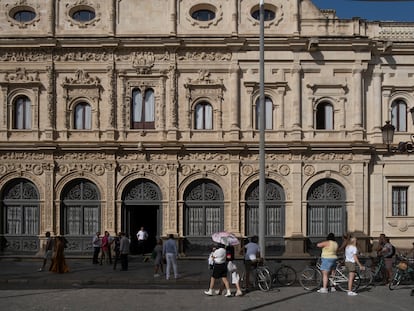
x=388, y=131
x=388, y=134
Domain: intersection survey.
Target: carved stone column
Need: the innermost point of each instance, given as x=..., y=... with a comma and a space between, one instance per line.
x=377, y=104
x=357, y=115
x=296, y=91
x=235, y=97
x=173, y=18
x=234, y=18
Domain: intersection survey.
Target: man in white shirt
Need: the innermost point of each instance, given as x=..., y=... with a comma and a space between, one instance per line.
x=142, y=237
x=251, y=256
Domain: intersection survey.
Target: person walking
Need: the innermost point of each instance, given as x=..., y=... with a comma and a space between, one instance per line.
x=219, y=271
x=48, y=250
x=351, y=260
x=158, y=265
x=96, y=244
x=124, y=251
x=170, y=253
x=58, y=259
x=328, y=258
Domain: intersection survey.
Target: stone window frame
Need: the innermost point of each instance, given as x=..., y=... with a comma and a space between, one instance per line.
x=17, y=7
x=276, y=8
x=211, y=5
x=83, y=5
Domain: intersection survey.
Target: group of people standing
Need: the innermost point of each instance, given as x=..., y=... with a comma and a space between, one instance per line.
x=54, y=250
x=103, y=246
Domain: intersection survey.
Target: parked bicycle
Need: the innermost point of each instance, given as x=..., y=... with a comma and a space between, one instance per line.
x=262, y=278
x=284, y=275
x=373, y=274
x=404, y=272
x=311, y=278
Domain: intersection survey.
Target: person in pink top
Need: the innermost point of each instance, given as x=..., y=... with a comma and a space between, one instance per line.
x=105, y=248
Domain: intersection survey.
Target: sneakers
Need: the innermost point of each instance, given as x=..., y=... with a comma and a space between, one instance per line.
x=332, y=289
x=217, y=292
x=322, y=290
x=228, y=294
x=352, y=294
x=239, y=293
x=209, y=292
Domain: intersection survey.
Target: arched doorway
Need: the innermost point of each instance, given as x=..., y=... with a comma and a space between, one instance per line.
x=275, y=215
x=20, y=216
x=142, y=208
x=326, y=210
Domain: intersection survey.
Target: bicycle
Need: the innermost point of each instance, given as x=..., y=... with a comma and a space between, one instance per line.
x=311, y=278
x=262, y=278
x=284, y=275
x=371, y=275
x=403, y=272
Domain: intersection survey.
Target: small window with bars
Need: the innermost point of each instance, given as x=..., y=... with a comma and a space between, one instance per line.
x=399, y=201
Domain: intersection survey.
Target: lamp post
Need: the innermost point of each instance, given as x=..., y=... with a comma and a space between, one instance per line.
x=262, y=108
x=388, y=134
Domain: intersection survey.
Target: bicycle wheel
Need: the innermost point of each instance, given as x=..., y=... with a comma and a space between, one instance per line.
x=286, y=275
x=242, y=281
x=310, y=278
x=264, y=279
x=396, y=279
x=341, y=279
x=366, y=278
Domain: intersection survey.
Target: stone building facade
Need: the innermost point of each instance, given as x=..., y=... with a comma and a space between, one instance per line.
x=117, y=114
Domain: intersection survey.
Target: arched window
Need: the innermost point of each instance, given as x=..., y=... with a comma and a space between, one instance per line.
x=324, y=116
x=21, y=208
x=83, y=116
x=268, y=113
x=326, y=210
x=22, y=113
x=143, y=109
x=399, y=115
x=203, y=209
x=275, y=209
x=80, y=209
x=203, y=116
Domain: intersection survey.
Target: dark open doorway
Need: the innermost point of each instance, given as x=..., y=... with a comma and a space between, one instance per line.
x=137, y=216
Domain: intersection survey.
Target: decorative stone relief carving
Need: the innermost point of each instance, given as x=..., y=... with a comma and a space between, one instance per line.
x=205, y=56
x=143, y=62
x=24, y=56
x=22, y=76
x=221, y=170
x=402, y=225
x=284, y=170
x=142, y=168
x=329, y=156
x=247, y=170
x=96, y=169
x=309, y=170
x=82, y=56
x=82, y=77
x=204, y=157
x=345, y=170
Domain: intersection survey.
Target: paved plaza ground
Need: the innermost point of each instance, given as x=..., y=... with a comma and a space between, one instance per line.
x=96, y=287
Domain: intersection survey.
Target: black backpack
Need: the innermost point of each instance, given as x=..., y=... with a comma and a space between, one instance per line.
x=392, y=252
